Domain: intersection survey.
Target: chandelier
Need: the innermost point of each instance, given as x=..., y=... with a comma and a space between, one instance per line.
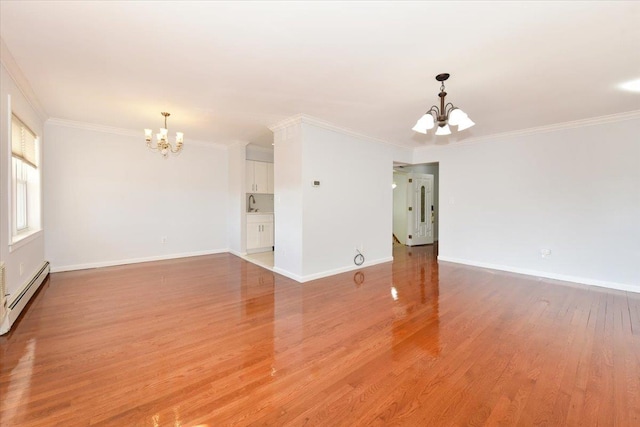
x=162, y=143
x=446, y=115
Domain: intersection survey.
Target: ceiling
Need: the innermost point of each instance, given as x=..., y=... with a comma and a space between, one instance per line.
x=228, y=70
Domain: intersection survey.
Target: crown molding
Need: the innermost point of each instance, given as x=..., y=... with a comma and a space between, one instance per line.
x=289, y=121
x=124, y=132
x=92, y=127
x=575, y=124
x=237, y=143
x=14, y=71
x=306, y=119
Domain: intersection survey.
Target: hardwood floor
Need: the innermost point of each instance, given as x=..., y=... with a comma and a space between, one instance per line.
x=216, y=341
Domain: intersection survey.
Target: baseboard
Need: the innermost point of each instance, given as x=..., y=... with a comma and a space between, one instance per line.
x=259, y=250
x=237, y=253
x=544, y=274
x=315, y=276
x=19, y=300
x=288, y=274
x=58, y=269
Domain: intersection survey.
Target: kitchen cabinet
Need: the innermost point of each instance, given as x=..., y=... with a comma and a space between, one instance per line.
x=259, y=177
x=259, y=232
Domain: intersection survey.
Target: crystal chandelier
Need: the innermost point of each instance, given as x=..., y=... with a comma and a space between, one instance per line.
x=162, y=143
x=446, y=115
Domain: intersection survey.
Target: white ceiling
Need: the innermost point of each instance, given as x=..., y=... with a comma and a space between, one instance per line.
x=228, y=70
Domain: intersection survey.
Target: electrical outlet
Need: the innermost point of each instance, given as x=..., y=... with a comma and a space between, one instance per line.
x=21, y=269
x=545, y=253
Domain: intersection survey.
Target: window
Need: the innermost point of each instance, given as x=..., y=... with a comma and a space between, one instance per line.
x=21, y=179
x=25, y=181
x=423, y=206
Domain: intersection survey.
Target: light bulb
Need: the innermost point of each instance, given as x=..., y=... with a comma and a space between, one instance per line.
x=424, y=123
x=443, y=130
x=179, y=137
x=631, y=86
x=456, y=116
x=465, y=123
x=148, y=134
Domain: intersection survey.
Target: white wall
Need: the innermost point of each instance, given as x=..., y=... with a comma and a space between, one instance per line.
x=259, y=153
x=29, y=253
x=353, y=205
x=237, y=201
x=575, y=191
x=288, y=209
x=400, y=206
x=319, y=228
x=111, y=200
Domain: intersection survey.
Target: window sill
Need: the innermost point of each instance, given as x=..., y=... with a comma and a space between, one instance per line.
x=24, y=238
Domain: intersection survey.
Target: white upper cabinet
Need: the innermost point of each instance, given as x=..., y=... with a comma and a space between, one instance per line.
x=259, y=177
x=250, y=182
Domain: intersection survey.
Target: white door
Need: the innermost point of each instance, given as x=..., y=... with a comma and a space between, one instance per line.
x=420, y=210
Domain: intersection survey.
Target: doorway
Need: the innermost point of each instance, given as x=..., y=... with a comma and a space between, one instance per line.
x=416, y=203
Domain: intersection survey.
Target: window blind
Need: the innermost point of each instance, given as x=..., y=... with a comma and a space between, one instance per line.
x=23, y=142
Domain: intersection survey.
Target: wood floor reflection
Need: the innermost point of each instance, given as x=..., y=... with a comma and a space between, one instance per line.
x=216, y=341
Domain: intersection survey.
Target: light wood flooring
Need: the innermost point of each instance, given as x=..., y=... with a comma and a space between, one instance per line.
x=218, y=341
x=263, y=259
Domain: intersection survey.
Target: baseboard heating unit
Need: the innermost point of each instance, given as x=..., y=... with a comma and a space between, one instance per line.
x=15, y=304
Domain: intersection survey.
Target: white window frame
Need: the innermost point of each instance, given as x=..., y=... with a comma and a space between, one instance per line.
x=33, y=230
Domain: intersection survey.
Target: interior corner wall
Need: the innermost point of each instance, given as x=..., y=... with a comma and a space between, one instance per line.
x=237, y=202
x=575, y=192
x=31, y=253
x=110, y=200
x=353, y=204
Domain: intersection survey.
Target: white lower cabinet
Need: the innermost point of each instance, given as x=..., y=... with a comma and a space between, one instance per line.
x=259, y=232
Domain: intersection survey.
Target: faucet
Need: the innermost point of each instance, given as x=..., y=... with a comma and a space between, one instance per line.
x=252, y=201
